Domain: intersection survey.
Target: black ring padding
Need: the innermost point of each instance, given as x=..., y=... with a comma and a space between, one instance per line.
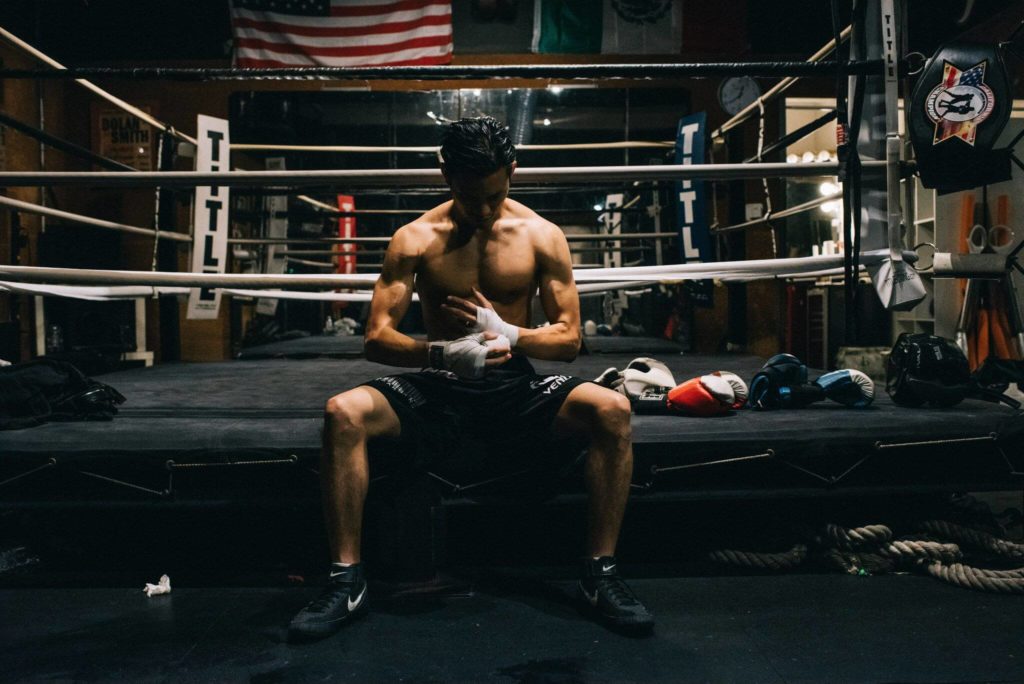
x=777, y=69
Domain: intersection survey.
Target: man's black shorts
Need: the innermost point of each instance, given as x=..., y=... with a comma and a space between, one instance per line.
x=500, y=421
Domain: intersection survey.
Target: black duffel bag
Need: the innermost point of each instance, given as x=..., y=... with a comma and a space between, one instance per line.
x=38, y=391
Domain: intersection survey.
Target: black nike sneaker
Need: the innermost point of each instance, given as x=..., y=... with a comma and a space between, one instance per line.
x=604, y=594
x=344, y=597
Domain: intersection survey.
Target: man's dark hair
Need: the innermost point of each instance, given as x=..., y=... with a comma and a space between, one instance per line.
x=479, y=146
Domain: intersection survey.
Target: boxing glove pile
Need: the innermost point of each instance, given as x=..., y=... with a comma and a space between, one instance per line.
x=782, y=383
x=714, y=394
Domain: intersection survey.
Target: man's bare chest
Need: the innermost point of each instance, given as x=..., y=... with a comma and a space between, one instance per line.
x=503, y=272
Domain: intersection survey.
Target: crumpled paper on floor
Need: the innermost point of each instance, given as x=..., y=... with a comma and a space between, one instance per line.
x=163, y=587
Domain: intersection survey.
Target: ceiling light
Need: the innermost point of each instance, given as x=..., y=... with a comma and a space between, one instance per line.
x=828, y=188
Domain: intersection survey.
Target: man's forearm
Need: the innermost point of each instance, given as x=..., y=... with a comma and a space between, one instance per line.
x=393, y=348
x=555, y=342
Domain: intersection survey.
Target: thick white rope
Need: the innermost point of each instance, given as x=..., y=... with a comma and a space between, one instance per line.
x=108, y=293
x=632, y=277
x=121, y=292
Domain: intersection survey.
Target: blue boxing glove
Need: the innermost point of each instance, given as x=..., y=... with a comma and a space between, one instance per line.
x=771, y=387
x=849, y=387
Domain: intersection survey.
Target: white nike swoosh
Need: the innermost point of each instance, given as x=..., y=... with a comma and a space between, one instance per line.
x=607, y=568
x=352, y=605
x=592, y=598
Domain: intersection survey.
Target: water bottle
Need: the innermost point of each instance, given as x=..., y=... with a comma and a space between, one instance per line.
x=54, y=338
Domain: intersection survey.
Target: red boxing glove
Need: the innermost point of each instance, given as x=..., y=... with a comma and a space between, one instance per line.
x=739, y=388
x=708, y=395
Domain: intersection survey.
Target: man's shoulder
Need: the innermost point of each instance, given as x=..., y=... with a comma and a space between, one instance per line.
x=419, y=232
x=537, y=225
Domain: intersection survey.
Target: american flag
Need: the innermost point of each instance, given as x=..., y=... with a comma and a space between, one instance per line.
x=288, y=33
x=973, y=76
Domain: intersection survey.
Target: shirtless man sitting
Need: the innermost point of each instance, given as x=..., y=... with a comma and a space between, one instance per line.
x=476, y=261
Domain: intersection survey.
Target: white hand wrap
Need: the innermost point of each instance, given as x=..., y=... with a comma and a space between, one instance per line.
x=488, y=320
x=464, y=356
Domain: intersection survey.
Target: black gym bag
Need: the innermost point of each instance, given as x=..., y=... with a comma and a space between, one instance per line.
x=38, y=391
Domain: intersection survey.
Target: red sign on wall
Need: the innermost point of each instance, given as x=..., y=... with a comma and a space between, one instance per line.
x=347, y=229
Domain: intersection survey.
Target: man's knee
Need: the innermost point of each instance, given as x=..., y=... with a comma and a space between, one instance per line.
x=359, y=414
x=612, y=417
x=345, y=416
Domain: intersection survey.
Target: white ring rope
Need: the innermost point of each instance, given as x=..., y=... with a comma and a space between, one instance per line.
x=422, y=149
x=387, y=178
x=122, y=292
x=723, y=270
x=101, y=293
x=131, y=109
x=358, y=296
x=29, y=208
x=92, y=292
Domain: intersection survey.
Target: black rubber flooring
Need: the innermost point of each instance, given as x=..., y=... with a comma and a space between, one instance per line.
x=793, y=628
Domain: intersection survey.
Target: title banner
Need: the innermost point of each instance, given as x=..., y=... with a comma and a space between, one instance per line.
x=210, y=241
x=691, y=211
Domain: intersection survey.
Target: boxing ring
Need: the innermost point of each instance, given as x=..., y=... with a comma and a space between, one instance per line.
x=193, y=432
x=200, y=431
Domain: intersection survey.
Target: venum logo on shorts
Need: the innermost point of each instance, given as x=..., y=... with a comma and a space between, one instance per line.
x=553, y=382
x=407, y=391
x=960, y=103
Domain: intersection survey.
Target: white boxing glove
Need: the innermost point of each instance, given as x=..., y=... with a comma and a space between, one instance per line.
x=488, y=320
x=465, y=356
x=644, y=373
x=739, y=387
x=611, y=378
